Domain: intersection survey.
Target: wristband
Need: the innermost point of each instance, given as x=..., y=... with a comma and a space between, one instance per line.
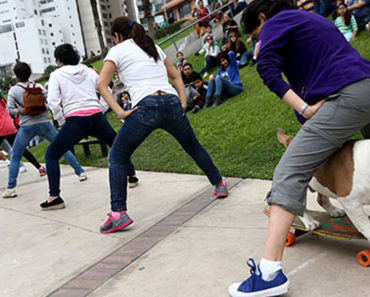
x=303, y=108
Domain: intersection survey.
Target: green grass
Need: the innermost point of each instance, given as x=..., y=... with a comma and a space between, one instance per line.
x=240, y=135
x=177, y=37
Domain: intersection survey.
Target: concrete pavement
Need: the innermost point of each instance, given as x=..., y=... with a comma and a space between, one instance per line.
x=183, y=241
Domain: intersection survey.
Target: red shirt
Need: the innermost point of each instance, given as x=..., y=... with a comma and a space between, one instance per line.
x=6, y=123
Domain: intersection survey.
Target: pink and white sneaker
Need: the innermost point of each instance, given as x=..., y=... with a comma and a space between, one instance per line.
x=221, y=190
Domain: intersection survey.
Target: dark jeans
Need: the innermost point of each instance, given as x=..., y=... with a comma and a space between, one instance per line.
x=154, y=112
x=27, y=154
x=211, y=61
x=75, y=129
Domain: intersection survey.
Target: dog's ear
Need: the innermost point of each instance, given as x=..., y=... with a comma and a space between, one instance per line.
x=283, y=138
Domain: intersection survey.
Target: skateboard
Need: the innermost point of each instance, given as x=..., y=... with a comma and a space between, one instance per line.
x=339, y=228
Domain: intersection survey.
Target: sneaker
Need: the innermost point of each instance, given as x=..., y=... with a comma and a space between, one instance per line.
x=255, y=286
x=7, y=162
x=253, y=62
x=221, y=190
x=367, y=26
x=112, y=225
x=9, y=193
x=218, y=102
x=205, y=74
x=42, y=171
x=22, y=169
x=57, y=203
x=196, y=109
x=82, y=177
x=207, y=103
x=133, y=181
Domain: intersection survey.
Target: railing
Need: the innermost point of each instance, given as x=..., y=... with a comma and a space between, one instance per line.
x=192, y=24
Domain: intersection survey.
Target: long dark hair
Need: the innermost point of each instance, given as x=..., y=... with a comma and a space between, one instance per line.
x=130, y=29
x=250, y=19
x=347, y=16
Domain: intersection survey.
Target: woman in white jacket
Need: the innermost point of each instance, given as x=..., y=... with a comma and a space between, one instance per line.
x=74, y=103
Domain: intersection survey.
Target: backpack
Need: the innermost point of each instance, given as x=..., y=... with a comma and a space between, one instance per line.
x=34, y=100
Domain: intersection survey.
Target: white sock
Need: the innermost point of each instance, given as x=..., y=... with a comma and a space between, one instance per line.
x=269, y=269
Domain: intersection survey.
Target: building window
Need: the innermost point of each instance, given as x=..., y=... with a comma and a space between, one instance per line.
x=40, y=32
x=43, y=32
x=41, y=41
x=49, y=60
x=19, y=25
x=53, y=43
x=42, y=23
x=50, y=25
x=47, y=10
x=185, y=10
x=43, y=51
x=51, y=34
x=45, y=60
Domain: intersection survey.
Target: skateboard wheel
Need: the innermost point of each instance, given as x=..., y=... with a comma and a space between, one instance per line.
x=363, y=258
x=290, y=239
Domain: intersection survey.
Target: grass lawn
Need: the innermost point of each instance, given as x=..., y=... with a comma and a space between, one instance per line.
x=240, y=135
x=177, y=37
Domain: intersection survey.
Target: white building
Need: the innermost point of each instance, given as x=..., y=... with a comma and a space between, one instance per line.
x=32, y=29
x=108, y=10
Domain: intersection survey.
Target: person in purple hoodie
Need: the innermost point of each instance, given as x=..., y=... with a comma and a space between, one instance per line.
x=329, y=85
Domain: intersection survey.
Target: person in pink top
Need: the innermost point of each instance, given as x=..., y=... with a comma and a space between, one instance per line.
x=8, y=131
x=75, y=105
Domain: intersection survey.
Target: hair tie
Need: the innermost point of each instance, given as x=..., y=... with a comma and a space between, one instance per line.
x=131, y=23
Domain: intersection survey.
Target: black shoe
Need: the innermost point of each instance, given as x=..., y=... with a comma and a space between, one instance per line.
x=253, y=62
x=207, y=103
x=218, y=102
x=132, y=181
x=196, y=109
x=57, y=203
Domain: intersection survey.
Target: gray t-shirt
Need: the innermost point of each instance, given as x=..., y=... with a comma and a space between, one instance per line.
x=15, y=103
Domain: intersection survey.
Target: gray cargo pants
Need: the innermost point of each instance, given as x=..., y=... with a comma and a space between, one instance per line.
x=333, y=124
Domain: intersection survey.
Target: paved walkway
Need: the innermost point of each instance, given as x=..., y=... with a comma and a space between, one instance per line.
x=183, y=241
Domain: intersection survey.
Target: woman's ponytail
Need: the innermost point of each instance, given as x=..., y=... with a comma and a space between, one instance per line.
x=128, y=28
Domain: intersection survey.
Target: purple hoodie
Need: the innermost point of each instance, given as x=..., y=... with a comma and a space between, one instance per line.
x=311, y=52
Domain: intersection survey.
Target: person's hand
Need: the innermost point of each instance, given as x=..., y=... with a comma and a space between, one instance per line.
x=212, y=77
x=237, y=55
x=183, y=105
x=249, y=39
x=21, y=111
x=124, y=114
x=312, y=109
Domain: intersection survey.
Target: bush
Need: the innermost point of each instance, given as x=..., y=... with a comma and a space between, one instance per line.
x=93, y=59
x=168, y=30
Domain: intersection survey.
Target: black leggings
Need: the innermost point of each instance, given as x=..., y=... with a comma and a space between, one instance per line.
x=27, y=154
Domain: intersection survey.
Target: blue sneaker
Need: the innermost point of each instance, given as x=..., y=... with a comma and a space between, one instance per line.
x=255, y=286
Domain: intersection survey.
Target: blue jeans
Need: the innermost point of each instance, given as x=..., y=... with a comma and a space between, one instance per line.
x=211, y=61
x=154, y=112
x=244, y=58
x=223, y=87
x=24, y=135
x=75, y=129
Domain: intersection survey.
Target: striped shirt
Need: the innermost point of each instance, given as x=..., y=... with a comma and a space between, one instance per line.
x=339, y=22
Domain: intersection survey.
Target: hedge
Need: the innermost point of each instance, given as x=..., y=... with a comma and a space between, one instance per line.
x=169, y=29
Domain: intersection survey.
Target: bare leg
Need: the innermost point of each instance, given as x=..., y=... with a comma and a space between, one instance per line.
x=279, y=225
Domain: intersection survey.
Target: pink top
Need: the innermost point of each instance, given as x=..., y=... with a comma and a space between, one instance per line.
x=84, y=113
x=6, y=123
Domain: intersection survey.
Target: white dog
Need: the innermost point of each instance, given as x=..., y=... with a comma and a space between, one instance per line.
x=346, y=177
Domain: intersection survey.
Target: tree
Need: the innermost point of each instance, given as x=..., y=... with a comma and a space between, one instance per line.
x=147, y=7
x=98, y=25
x=5, y=81
x=50, y=69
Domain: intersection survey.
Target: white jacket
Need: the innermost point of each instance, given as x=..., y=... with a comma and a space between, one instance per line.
x=72, y=88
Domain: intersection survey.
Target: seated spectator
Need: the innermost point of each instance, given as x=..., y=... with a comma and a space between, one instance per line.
x=125, y=101
x=228, y=26
x=199, y=99
x=237, y=7
x=209, y=32
x=180, y=61
x=346, y=22
x=251, y=54
x=199, y=31
x=118, y=85
x=238, y=47
x=203, y=12
x=361, y=11
x=227, y=81
x=212, y=49
x=324, y=7
x=307, y=5
x=189, y=76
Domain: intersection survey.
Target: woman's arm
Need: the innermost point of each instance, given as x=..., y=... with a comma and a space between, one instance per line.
x=102, y=86
x=293, y=100
x=175, y=76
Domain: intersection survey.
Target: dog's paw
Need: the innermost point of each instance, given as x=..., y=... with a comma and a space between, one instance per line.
x=310, y=223
x=336, y=212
